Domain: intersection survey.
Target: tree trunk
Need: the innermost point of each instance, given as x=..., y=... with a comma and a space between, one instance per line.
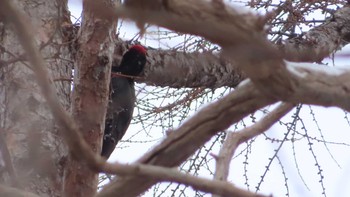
x=36, y=149
x=90, y=94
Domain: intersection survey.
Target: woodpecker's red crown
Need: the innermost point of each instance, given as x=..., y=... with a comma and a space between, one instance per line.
x=139, y=49
x=133, y=61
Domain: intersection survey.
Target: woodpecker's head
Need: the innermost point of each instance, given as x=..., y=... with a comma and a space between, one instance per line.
x=132, y=62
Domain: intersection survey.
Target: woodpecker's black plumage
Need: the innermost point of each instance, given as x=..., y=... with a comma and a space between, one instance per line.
x=122, y=98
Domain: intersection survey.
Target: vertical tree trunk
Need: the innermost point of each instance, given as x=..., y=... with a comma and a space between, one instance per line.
x=36, y=149
x=91, y=86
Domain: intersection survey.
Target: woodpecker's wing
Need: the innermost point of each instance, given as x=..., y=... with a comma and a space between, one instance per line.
x=119, y=113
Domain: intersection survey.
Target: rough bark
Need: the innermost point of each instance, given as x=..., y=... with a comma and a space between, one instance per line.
x=176, y=69
x=321, y=41
x=32, y=138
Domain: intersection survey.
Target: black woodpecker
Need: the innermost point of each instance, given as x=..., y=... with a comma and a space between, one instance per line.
x=122, y=98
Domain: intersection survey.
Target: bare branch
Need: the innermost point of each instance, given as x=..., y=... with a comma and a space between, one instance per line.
x=185, y=69
x=320, y=41
x=230, y=27
x=319, y=85
x=234, y=139
x=180, y=69
x=139, y=171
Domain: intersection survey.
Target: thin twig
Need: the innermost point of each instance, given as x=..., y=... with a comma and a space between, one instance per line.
x=233, y=140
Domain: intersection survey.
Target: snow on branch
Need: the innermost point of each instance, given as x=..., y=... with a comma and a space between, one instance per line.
x=320, y=85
